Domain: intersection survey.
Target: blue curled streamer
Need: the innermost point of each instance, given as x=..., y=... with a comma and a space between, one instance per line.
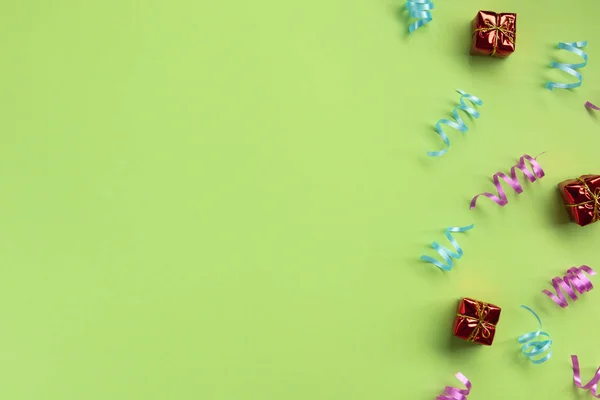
x=573, y=47
x=537, y=347
x=419, y=9
x=459, y=124
x=446, y=254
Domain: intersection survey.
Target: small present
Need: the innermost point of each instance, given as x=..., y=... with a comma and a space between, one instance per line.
x=476, y=321
x=582, y=198
x=494, y=34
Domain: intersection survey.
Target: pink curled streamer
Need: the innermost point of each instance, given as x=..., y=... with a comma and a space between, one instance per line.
x=574, y=279
x=451, y=393
x=591, y=385
x=512, y=180
x=591, y=106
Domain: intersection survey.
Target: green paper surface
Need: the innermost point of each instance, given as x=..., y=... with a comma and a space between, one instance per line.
x=228, y=201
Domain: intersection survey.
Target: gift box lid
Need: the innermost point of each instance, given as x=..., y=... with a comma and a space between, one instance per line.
x=472, y=308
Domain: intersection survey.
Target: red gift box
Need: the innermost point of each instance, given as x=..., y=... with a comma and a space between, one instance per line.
x=494, y=34
x=582, y=198
x=476, y=321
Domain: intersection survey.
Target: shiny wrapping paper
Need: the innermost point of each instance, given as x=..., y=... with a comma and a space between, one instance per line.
x=582, y=198
x=476, y=321
x=494, y=34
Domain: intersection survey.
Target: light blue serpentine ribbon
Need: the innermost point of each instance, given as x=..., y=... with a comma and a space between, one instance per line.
x=459, y=124
x=446, y=254
x=532, y=348
x=573, y=47
x=419, y=9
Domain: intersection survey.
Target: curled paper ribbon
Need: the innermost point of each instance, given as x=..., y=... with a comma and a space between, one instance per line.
x=532, y=348
x=574, y=279
x=501, y=199
x=459, y=124
x=591, y=106
x=451, y=393
x=446, y=254
x=574, y=47
x=419, y=9
x=591, y=385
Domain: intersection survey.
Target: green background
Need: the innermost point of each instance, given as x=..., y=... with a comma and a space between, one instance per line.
x=228, y=200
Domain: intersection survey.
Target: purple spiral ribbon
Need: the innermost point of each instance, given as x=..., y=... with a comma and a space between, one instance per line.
x=591, y=106
x=512, y=180
x=451, y=393
x=574, y=280
x=591, y=385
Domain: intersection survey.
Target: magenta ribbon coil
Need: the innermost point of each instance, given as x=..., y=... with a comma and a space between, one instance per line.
x=512, y=180
x=591, y=385
x=451, y=393
x=574, y=280
x=592, y=106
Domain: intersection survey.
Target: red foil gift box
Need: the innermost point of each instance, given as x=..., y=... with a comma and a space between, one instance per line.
x=582, y=198
x=494, y=34
x=476, y=321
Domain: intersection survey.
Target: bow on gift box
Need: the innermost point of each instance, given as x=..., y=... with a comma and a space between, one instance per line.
x=595, y=200
x=476, y=321
x=503, y=29
x=482, y=326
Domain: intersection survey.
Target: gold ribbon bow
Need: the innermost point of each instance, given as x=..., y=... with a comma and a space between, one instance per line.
x=595, y=199
x=489, y=27
x=482, y=325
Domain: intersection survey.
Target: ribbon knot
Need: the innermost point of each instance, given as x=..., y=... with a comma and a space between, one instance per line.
x=482, y=326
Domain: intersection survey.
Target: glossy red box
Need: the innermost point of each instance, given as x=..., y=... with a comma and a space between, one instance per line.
x=494, y=34
x=476, y=321
x=582, y=198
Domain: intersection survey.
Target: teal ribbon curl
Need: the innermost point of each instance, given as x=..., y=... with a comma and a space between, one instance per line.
x=573, y=47
x=459, y=124
x=446, y=254
x=532, y=348
x=419, y=9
